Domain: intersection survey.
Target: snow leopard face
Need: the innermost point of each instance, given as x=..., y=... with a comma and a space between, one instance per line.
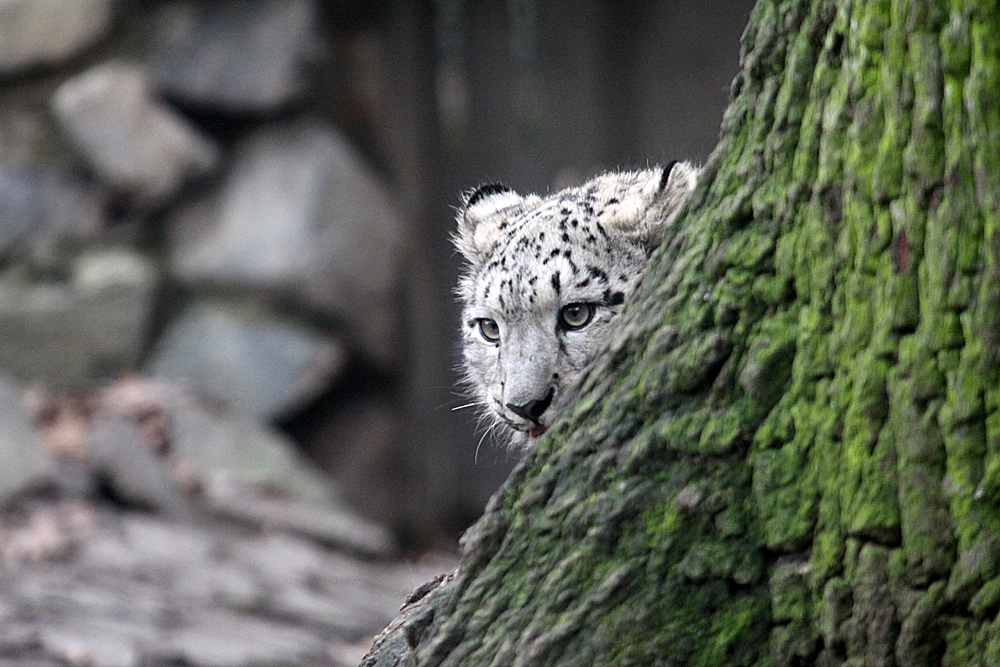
x=544, y=281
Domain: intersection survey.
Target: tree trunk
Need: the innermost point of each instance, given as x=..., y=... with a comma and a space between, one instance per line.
x=791, y=455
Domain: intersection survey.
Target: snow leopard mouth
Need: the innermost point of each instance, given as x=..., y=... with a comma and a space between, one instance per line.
x=537, y=431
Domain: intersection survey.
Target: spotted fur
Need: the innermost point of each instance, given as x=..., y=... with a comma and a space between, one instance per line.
x=545, y=278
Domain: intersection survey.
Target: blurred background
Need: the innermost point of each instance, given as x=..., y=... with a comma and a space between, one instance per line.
x=225, y=268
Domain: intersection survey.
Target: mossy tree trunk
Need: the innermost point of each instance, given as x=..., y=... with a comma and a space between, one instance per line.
x=791, y=456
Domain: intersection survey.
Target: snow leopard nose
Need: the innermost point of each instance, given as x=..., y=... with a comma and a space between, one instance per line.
x=533, y=409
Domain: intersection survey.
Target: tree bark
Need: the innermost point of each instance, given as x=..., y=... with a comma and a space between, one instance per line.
x=791, y=454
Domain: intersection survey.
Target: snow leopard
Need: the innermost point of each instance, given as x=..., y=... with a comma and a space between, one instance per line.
x=545, y=278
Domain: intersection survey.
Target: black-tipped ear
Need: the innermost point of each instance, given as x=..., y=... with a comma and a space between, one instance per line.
x=665, y=177
x=677, y=181
x=479, y=220
x=485, y=191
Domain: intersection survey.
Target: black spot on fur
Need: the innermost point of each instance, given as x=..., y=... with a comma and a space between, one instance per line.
x=565, y=237
x=554, y=253
x=616, y=299
x=583, y=283
x=613, y=200
x=486, y=191
x=597, y=274
x=556, y=282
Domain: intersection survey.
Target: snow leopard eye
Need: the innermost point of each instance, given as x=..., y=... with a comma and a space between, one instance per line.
x=576, y=315
x=489, y=329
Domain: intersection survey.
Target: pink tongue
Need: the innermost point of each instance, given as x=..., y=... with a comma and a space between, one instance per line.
x=537, y=431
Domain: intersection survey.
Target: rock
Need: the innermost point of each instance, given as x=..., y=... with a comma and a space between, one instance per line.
x=135, y=473
x=224, y=583
x=260, y=365
x=254, y=474
x=220, y=639
x=45, y=206
x=139, y=590
x=301, y=215
x=44, y=32
x=139, y=146
x=230, y=452
x=332, y=526
x=93, y=641
x=25, y=462
x=69, y=333
x=238, y=56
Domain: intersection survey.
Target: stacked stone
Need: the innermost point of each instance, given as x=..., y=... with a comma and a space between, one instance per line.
x=253, y=268
x=288, y=217
x=175, y=205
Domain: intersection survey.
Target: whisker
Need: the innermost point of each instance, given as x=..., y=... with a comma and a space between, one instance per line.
x=475, y=457
x=467, y=405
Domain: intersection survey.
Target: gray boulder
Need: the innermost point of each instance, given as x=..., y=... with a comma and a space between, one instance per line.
x=34, y=33
x=25, y=461
x=301, y=216
x=251, y=472
x=138, y=145
x=123, y=459
x=261, y=365
x=241, y=56
x=229, y=452
x=41, y=206
x=69, y=333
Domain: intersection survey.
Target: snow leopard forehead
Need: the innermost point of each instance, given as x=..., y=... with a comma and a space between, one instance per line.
x=567, y=248
x=582, y=244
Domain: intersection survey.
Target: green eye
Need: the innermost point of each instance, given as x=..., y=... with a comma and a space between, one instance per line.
x=490, y=330
x=576, y=315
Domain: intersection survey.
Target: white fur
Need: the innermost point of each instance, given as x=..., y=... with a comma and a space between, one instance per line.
x=528, y=258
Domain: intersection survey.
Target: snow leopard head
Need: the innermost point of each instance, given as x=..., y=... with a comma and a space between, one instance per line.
x=545, y=278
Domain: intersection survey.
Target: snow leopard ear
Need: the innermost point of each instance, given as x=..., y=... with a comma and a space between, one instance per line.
x=675, y=183
x=479, y=219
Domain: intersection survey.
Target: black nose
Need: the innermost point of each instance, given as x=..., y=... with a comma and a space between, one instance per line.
x=533, y=409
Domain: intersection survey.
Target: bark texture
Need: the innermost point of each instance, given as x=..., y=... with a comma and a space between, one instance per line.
x=791, y=455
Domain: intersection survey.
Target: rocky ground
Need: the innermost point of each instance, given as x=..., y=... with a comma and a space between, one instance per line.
x=140, y=527
x=86, y=584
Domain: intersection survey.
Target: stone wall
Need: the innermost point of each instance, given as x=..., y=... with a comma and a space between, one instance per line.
x=176, y=202
x=250, y=200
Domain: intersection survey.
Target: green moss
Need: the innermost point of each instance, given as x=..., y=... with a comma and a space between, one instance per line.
x=734, y=635
x=831, y=300
x=986, y=601
x=965, y=644
x=791, y=599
